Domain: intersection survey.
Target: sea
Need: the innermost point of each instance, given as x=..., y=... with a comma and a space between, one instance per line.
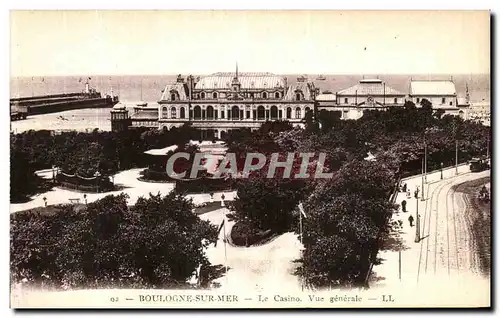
x=134, y=88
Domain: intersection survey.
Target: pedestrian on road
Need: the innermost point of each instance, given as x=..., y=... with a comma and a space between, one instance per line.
x=404, y=187
x=403, y=205
x=410, y=219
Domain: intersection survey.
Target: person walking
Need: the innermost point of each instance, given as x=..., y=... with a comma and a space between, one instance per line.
x=404, y=187
x=403, y=205
x=410, y=219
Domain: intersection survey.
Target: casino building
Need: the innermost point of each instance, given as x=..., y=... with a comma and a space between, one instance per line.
x=223, y=101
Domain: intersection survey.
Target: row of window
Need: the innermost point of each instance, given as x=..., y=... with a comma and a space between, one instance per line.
x=443, y=101
x=215, y=95
x=346, y=100
x=145, y=123
x=235, y=112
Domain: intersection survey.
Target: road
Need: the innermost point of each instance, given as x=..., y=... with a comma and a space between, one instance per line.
x=452, y=250
x=449, y=244
x=268, y=267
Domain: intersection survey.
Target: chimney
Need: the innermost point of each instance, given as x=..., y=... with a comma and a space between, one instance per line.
x=190, y=85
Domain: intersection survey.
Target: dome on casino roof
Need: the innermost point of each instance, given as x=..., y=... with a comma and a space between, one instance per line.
x=119, y=106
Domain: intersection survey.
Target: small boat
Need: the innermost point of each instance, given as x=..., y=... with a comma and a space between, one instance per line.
x=321, y=78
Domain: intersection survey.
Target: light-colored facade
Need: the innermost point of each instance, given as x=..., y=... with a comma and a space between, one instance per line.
x=223, y=101
x=367, y=94
x=442, y=95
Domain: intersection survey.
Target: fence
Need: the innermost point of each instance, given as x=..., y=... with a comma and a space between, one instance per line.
x=93, y=184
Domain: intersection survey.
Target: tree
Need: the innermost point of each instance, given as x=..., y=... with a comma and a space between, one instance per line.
x=157, y=243
x=346, y=216
x=268, y=203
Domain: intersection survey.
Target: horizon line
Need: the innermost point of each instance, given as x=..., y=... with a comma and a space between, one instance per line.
x=207, y=74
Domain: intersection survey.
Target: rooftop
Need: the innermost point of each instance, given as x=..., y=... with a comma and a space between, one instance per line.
x=432, y=88
x=372, y=87
x=223, y=80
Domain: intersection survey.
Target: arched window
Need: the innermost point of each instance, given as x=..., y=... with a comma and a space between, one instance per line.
x=261, y=113
x=235, y=112
x=395, y=100
x=197, y=112
x=264, y=95
x=164, y=112
x=288, y=113
x=183, y=112
x=172, y=96
x=210, y=112
x=277, y=95
x=297, y=96
x=307, y=109
x=173, y=112
x=298, y=114
x=202, y=95
x=274, y=112
x=215, y=95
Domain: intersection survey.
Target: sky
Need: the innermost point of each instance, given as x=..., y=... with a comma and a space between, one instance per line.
x=45, y=43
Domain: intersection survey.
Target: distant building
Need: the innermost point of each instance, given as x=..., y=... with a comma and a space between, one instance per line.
x=441, y=94
x=367, y=94
x=120, y=119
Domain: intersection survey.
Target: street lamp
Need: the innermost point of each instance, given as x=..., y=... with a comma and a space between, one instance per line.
x=224, y=229
x=441, y=171
x=53, y=173
x=417, y=227
x=97, y=175
x=422, y=197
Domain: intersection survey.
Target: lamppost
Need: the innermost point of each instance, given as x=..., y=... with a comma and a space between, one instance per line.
x=441, y=171
x=53, y=174
x=417, y=217
x=224, y=229
x=422, y=197
x=417, y=227
x=97, y=175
